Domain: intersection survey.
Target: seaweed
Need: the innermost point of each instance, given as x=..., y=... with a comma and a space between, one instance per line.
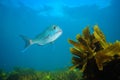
x=92, y=54
x=3, y=74
x=22, y=74
x=30, y=74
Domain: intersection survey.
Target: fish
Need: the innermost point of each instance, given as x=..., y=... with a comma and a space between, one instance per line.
x=49, y=35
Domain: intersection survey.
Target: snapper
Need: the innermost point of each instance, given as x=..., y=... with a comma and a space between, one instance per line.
x=49, y=35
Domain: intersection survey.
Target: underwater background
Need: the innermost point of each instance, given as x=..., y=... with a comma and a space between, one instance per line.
x=31, y=17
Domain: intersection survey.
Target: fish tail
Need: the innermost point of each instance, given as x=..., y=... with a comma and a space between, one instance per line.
x=28, y=42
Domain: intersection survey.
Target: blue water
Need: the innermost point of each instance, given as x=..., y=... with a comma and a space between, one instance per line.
x=31, y=17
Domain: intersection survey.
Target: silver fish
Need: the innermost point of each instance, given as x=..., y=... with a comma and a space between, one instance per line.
x=47, y=36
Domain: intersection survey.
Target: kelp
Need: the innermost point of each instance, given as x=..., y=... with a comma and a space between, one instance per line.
x=93, y=51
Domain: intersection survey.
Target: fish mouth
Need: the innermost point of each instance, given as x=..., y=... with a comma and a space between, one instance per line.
x=60, y=31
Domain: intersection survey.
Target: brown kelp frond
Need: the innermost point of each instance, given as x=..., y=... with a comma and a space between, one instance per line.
x=87, y=35
x=99, y=36
x=77, y=53
x=106, y=55
x=94, y=47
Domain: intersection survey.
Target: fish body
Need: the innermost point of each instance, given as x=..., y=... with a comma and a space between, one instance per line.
x=47, y=36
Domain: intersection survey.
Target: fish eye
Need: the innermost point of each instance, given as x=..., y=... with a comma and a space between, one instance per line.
x=54, y=27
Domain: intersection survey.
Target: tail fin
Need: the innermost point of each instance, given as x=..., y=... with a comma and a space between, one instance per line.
x=28, y=42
